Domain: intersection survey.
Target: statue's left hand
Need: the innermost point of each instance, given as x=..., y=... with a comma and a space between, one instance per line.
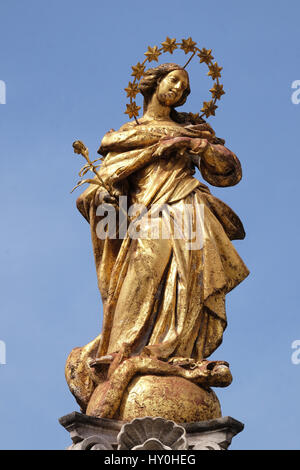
x=198, y=146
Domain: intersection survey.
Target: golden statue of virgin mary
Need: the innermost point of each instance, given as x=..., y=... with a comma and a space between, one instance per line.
x=163, y=297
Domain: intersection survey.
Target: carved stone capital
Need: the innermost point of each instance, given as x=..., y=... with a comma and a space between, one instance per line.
x=149, y=433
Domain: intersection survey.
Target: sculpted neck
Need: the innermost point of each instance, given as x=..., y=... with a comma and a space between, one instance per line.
x=156, y=110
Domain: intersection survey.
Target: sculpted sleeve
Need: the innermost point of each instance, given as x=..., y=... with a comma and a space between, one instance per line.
x=220, y=167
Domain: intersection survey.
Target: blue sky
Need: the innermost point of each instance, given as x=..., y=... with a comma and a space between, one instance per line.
x=65, y=65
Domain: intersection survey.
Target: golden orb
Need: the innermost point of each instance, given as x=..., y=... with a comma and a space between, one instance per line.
x=170, y=397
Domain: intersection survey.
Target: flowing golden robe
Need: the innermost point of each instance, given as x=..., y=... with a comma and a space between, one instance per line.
x=158, y=293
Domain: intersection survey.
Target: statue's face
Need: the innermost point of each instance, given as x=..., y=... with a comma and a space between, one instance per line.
x=172, y=86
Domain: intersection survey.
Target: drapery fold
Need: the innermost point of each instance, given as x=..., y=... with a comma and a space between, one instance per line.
x=159, y=294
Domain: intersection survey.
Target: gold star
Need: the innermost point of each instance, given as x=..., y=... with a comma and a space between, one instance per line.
x=187, y=45
x=214, y=71
x=169, y=45
x=132, y=90
x=194, y=116
x=132, y=109
x=205, y=55
x=138, y=70
x=217, y=91
x=209, y=108
x=152, y=53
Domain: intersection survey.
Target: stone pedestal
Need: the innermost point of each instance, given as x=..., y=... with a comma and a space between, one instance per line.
x=88, y=433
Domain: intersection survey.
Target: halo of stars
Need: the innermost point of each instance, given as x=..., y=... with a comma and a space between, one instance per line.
x=170, y=45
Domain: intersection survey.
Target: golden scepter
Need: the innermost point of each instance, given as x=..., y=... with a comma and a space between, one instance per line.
x=81, y=149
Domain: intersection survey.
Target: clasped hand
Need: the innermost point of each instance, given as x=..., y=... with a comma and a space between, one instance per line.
x=183, y=145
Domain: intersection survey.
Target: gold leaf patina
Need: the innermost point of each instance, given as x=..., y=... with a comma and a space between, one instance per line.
x=132, y=90
x=214, y=71
x=169, y=45
x=188, y=45
x=205, y=56
x=132, y=109
x=138, y=70
x=209, y=108
x=194, y=116
x=152, y=53
x=140, y=352
x=217, y=91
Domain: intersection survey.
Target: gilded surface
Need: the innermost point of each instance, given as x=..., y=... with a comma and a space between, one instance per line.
x=169, y=397
x=163, y=302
